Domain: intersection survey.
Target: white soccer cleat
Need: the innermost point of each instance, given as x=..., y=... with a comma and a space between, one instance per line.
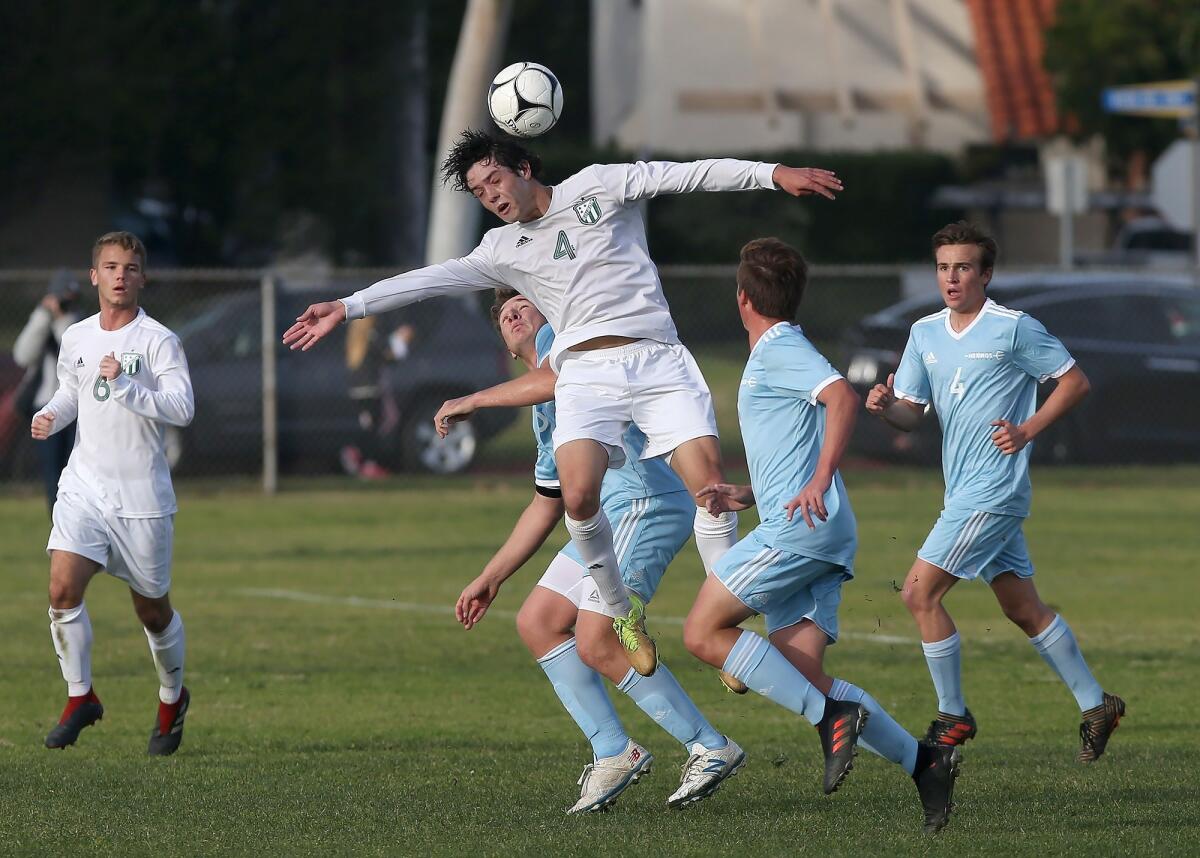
x=605, y=779
x=705, y=771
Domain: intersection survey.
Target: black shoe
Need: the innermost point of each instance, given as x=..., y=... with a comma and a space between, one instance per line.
x=1098, y=725
x=67, y=731
x=840, y=728
x=165, y=744
x=950, y=730
x=937, y=769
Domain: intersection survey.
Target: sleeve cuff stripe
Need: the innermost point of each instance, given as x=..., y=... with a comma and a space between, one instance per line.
x=816, y=391
x=900, y=394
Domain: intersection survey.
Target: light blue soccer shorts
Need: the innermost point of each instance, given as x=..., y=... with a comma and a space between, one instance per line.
x=647, y=534
x=970, y=543
x=785, y=588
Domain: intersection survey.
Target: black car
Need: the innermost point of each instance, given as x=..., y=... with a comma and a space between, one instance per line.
x=453, y=351
x=1136, y=337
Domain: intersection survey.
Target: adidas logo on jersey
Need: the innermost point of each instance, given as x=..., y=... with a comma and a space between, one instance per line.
x=79, y=363
x=930, y=358
x=523, y=240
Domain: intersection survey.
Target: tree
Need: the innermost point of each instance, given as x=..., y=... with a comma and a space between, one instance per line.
x=1095, y=44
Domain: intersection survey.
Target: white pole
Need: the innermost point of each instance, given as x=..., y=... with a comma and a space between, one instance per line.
x=1066, y=220
x=454, y=217
x=270, y=404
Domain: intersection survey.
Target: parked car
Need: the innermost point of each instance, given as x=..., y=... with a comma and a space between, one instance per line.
x=1136, y=337
x=453, y=352
x=1145, y=242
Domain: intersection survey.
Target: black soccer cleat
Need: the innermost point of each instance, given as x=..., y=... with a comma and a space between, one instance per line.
x=937, y=769
x=840, y=728
x=67, y=731
x=1098, y=725
x=163, y=744
x=950, y=730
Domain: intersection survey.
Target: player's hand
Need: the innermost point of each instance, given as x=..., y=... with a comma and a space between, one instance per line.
x=42, y=426
x=881, y=396
x=810, y=502
x=725, y=497
x=1009, y=438
x=452, y=411
x=474, y=601
x=802, y=181
x=314, y=323
x=110, y=367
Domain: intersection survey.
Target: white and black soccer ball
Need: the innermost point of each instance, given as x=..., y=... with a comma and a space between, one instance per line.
x=525, y=99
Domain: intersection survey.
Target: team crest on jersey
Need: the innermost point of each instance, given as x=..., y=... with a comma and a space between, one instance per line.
x=131, y=362
x=588, y=211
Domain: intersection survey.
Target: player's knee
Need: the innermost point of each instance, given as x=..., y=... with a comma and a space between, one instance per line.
x=1029, y=617
x=64, y=595
x=697, y=638
x=581, y=504
x=916, y=601
x=531, y=627
x=154, y=616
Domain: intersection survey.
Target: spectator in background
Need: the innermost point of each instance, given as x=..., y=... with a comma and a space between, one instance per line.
x=369, y=356
x=36, y=349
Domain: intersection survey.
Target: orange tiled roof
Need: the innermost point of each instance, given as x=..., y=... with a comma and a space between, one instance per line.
x=1009, y=45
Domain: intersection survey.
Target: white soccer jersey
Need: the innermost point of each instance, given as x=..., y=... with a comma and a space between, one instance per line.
x=584, y=263
x=119, y=458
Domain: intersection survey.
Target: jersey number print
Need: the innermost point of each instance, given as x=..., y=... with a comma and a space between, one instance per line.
x=100, y=390
x=563, y=247
x=957, y=386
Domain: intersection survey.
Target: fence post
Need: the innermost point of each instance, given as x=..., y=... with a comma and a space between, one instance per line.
x=270, y=410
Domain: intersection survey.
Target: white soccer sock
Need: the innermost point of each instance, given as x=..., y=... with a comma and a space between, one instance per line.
x=166, y=648
x=594, y=540
x=715, y=534
x=71, y=631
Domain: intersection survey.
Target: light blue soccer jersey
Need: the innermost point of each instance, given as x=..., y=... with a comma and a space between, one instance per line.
x=634, y=480
x=783, y=427
x=988, y=371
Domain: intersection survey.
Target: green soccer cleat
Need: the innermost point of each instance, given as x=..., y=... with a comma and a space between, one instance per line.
x=639, y=646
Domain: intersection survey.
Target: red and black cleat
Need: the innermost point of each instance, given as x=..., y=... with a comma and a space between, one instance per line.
x=82, y=711
x=950, y=730
x=840, y=728
x=167, y=732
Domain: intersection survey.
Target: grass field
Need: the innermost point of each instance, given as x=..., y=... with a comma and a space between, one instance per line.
x=337, y=709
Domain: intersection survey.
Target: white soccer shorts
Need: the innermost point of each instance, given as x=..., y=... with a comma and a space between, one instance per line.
x=136, y=550
x=656, y=385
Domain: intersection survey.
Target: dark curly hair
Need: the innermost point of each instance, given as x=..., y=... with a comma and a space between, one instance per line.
x=474, y=146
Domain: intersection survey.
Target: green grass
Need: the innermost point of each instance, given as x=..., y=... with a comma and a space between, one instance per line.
x=330, y=716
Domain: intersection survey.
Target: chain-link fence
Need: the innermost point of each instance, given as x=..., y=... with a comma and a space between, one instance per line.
x=361, y=401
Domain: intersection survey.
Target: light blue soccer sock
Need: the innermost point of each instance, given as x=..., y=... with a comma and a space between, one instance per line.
x=662, y=698
x=1056, y=644
x=765, y=670
x=944, y=658
x=581, y=691
x=882, y=735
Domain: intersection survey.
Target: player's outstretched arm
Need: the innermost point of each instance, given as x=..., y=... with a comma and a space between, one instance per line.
x=313, y=324
x=531, y=388
x=1071, y=389
x=841, y=411
x=530, y=532
x=806, y=181
x=898, y=413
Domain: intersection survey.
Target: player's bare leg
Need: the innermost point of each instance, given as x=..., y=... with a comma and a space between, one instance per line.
x=924, y=589
x=1054, y=641
x=581, y=467
x=698, y=463
x=164, y=633
x=71, y=632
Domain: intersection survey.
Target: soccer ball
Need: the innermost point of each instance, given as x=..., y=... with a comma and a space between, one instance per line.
x=525, y=99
